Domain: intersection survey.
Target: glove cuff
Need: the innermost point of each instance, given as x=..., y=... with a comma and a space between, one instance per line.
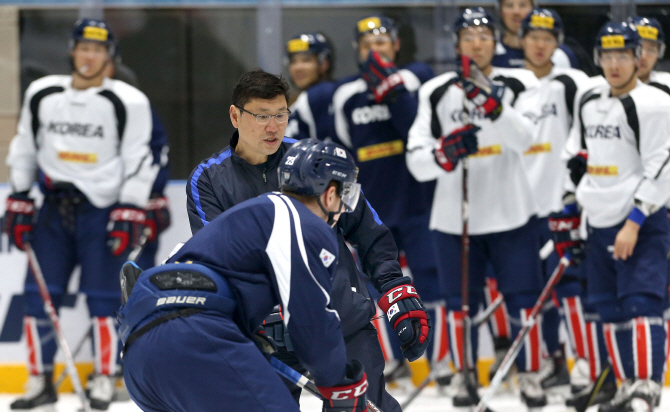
x=403, y=280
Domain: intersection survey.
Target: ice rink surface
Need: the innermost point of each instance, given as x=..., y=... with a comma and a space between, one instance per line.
x=428, y=401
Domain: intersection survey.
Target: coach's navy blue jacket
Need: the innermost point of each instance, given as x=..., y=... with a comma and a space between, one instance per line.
x=225, y=179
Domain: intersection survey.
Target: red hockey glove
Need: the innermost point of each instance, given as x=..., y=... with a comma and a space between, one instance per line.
x=126, y=223
x=405, y=312
x=350, y=394
x=564, y=227
x=577, y=166
x=457, y=145
x=158, y=216
x=18, y=220
x=382, y=77
x=481, y=91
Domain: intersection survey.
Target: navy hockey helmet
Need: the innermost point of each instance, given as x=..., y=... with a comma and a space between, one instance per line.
x=314, y=43
x=377, y=24
x=474, y=17
x=310, y=165
x=543, y=19
x=617, y=36
x=95, y=31
x=650, y=29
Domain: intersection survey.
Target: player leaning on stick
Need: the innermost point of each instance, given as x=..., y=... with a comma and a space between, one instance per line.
x=248, y=168
x=502, y=221
x=622, y=129
x=85, y=139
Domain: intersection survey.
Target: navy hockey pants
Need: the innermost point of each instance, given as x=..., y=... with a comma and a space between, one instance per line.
x=202, y=363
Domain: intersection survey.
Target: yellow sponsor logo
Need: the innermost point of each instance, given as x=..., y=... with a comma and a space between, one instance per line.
x=648, y=32
x=377, y=151
x=542, y=22
x=614, y=41
x=78, y=157
x=96, y=33
x=369, y=24
x=297, y=46
x=538, y=148
x=488, y=151
x=603, y=170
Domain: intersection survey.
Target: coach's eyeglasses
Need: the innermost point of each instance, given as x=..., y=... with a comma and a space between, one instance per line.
x=265, y=118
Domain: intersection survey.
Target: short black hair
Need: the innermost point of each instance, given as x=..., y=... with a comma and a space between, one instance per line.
x=259, y=84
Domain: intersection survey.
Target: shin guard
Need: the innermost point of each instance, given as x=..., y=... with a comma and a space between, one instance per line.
x=648, y=348
x=530, y=356
x=576, y=325
x=613, y=339
x=439, y=348
x=455, y=322
x=106, y=345
x=500, y=324
x=41, y=344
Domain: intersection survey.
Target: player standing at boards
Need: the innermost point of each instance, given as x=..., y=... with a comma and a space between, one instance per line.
x=181, y=343
x=310, y=64
x=373, y=111
x=248, y=168
x=502, y=222
x=85, y=139
x=550, y=108
x=622, y=130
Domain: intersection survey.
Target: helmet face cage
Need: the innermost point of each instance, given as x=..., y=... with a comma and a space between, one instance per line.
x=543, y=19
x=94, y=31
x=474, y=17
x=378, y=24
x=650, y=29
x=617, y=36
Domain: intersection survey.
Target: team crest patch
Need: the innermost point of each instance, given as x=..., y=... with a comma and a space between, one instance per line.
x=326, y=257
x=392, y=311
x=340, y=153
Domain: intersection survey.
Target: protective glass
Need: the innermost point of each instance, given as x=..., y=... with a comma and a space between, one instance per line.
x=610, y=58
x=265, y=118
x=470, y=37
x=349, y=195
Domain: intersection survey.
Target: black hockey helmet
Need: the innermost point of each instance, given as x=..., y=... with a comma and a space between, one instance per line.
x=617, y=36
x=376, y=24
x=95, y=31
x=543, y=19
x=314, y=43
x=310, y=165
x=650, y=29
x=474, y=17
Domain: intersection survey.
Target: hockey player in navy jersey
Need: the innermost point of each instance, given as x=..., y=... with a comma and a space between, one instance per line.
x=86, y=140
x=621, y=132
x=248, y=168
x=310, y=64
x=189, y=326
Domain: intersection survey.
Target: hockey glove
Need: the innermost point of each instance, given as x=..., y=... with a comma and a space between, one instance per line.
x=382, y=77
x=158, y=216
x=18, y=221
x=564, y=227
x=265, y=344
x=479, y=89
x=273, y=325
x=405, y=312
x=456, y=145
x=577, y=166
x=350, y=394
x=126, y=223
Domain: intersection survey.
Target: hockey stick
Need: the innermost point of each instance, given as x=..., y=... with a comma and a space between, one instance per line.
x=514, y=350
x=55, y=323
x=301, y=380
x=594, y=391
x=77, y=349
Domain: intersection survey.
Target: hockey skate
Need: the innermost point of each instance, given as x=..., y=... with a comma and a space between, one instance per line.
x=581, y=398
x=580, y=377
x=532, y=394
x=644, y=395
x=443, y=374
x=620, y=400
x=501, y=347
x=462, y=401
x=102, y=391
x=554, y=375
x=40, y=392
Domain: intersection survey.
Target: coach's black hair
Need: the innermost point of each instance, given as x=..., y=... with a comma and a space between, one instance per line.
x=258, y=84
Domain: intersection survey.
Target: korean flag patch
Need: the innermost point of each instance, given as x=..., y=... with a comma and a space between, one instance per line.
x=326, y=257
x=392, y=311
x=340, y=152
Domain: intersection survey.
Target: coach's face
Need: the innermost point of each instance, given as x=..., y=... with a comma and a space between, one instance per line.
x=259, y=136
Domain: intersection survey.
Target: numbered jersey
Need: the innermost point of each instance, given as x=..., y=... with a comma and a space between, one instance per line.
x=628, y=143
x=550, y=109
x=97, y=139
x=500, y=197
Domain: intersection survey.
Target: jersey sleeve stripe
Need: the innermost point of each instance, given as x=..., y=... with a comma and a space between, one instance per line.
x=513, y=84
x=435, y=97
x=279, y=253
x=660, y=86
x=662, y=166
x=570, y=91
x=631, y=116
x=196, y=176
x=35, y=106
x=119, y=109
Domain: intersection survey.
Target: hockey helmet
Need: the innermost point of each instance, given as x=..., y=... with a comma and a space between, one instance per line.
x=310, y=165
x=474, y=17
x=616, y=36
x=315, y=43
x=95, y=31
x=543, y=19
x=377, y=24
x=650, y=29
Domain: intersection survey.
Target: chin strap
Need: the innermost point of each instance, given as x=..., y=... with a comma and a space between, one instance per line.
x=331, y=215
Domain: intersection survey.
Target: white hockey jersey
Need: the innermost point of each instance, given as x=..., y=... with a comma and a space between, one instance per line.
x=627, y=139
x=500, y=197
x=550, y=108
x=660, y=80
x=97, y=139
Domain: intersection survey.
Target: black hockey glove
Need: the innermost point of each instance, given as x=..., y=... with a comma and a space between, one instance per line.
x=273, y=325
x=564, y=227
x=405, y=312
x=382, y=77
x=126, y=223
x=350, y=394
x=264, y=343
x=18, y=220
x=456, y=145
x=158, y=216
x=577, y=166
x=479, y=89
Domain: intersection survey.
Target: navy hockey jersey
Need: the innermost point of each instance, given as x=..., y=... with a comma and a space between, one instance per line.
x=376, y=134
x=159, y=150
x=311, y=113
